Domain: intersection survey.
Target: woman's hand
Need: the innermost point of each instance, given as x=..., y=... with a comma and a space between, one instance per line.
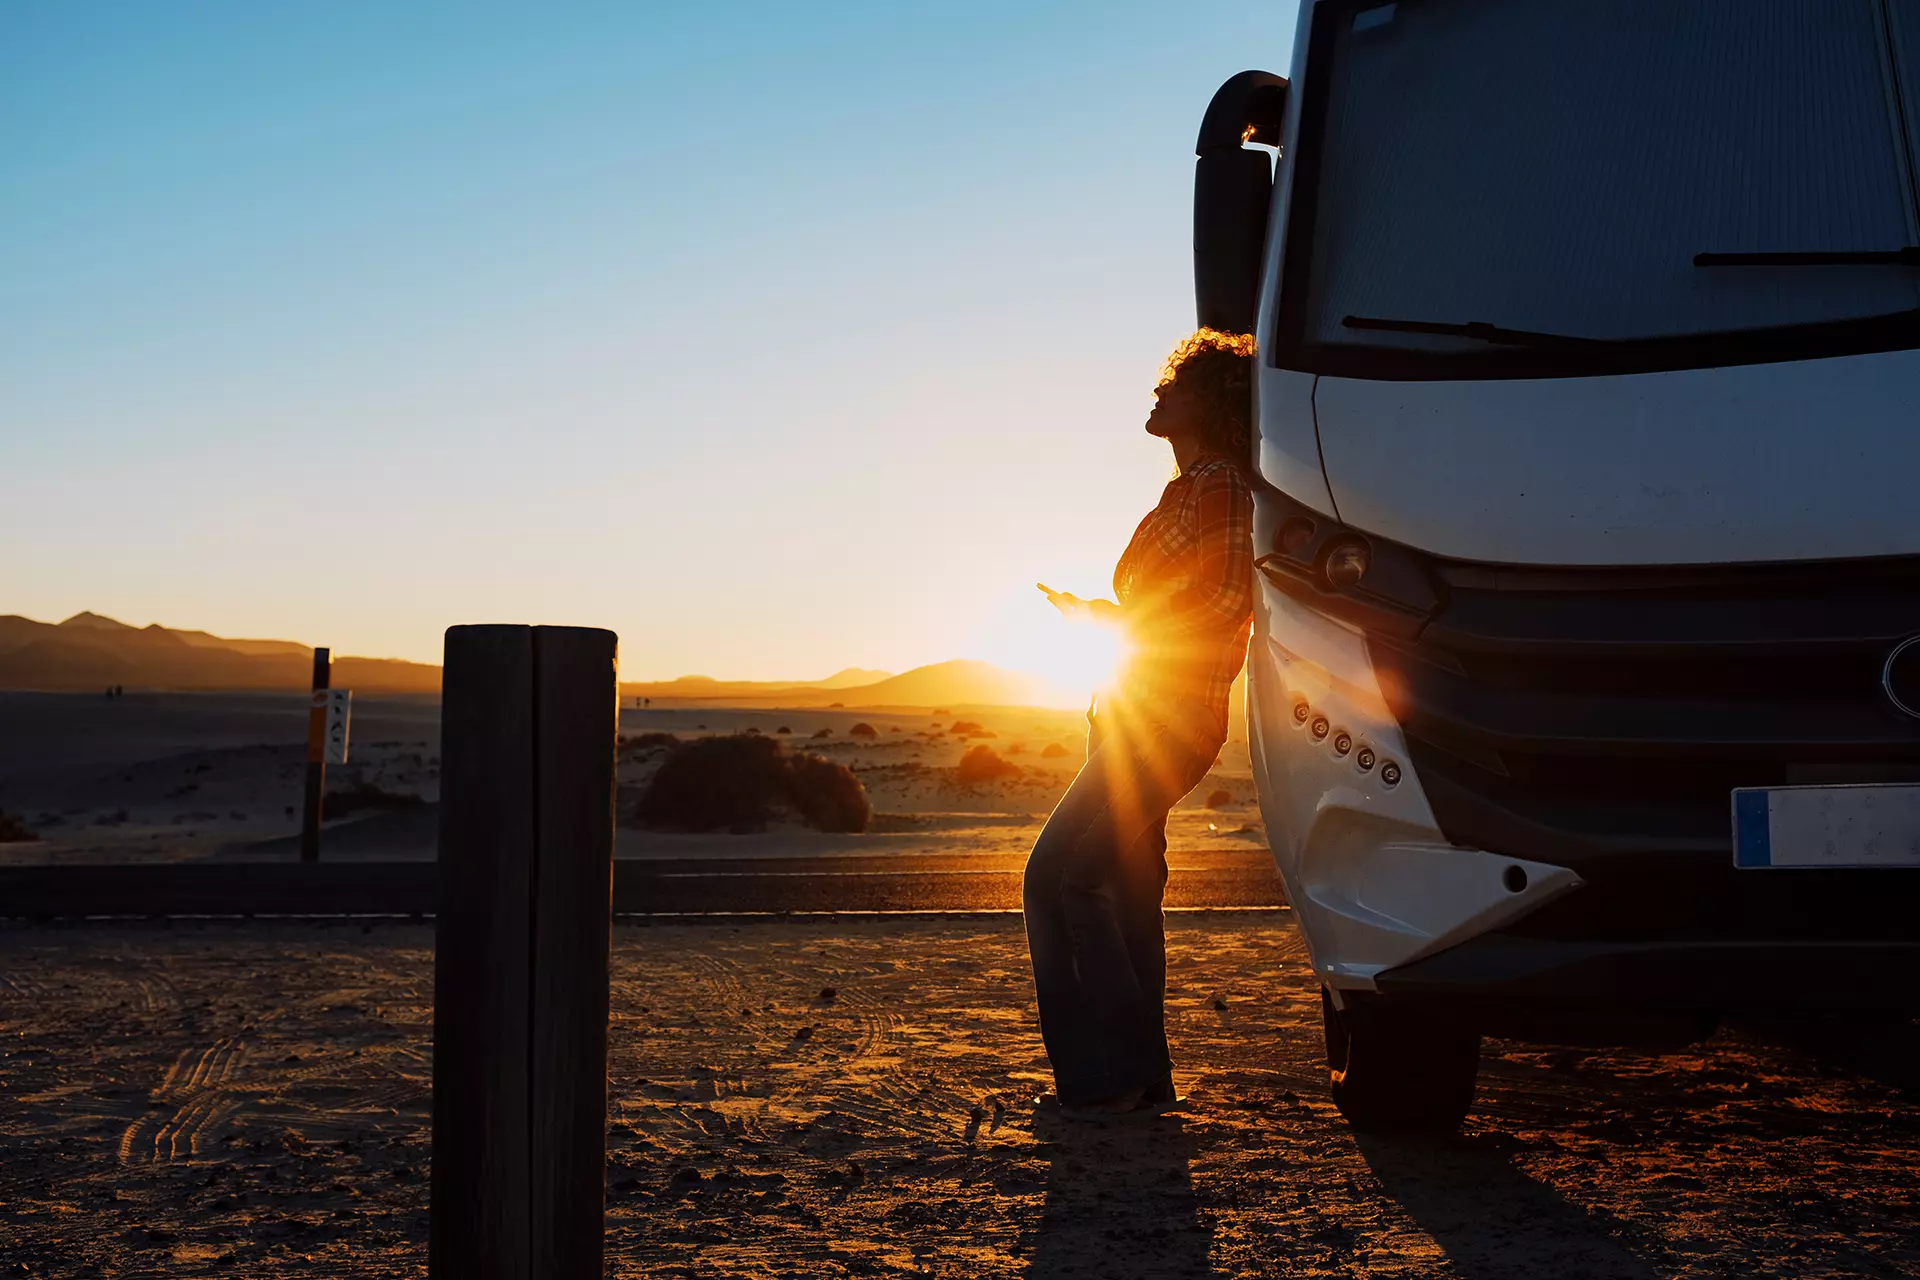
x=1072, y=606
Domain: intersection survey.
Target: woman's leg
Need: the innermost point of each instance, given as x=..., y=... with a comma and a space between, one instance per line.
x=1069, y=1025
x=1143, y=885
x=1097, y=1017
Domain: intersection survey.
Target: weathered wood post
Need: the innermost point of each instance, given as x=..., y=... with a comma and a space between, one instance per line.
x=527, y=724
x=310, y=814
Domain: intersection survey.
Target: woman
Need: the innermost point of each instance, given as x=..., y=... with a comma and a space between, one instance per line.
x=1096, y=874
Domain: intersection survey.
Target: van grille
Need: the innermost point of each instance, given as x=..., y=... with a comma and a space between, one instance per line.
x=1567, y=715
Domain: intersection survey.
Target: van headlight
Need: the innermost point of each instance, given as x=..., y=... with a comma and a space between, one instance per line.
x=1345, y=562
x=1373, y=583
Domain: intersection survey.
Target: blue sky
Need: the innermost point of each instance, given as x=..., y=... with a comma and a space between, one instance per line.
x=777, y=337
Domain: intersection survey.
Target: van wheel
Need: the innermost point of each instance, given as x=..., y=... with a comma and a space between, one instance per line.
x=1398, y=1070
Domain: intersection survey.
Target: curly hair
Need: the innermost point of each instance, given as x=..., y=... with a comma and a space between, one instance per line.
x=1217, y=369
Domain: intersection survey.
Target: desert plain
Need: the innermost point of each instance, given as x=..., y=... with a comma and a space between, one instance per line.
x=219, y=776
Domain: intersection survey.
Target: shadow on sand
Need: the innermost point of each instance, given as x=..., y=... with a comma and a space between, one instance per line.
x=1120, y=1203
x=1489, y=1217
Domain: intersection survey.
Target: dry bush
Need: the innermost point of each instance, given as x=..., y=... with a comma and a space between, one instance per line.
x=822, y=733
x=863, y=730
x=1017, y=749
x=644, y=743
x=13, y=830
x=712, y=784
x=361, y=796
x=742, y=781
x=1054, y=751
x=783, y=729
x=984, y=764
x=827, y=795
x=966, y=729
x=1215, y=799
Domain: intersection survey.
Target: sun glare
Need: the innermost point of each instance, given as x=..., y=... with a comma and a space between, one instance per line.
x=1074, y=658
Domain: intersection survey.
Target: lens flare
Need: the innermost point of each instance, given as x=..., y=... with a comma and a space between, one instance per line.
x=1075, y=658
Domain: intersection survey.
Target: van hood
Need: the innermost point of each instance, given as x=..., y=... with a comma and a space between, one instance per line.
x=1806, y=460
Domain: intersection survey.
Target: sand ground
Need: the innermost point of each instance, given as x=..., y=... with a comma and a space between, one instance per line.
x=253, y=1099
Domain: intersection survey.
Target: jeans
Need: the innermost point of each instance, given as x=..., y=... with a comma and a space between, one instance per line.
x=1092, y=895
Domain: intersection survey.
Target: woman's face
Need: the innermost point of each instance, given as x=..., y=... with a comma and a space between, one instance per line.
x=1175, y=413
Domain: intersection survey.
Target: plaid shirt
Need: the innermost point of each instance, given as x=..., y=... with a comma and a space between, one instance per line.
x=1185, y=585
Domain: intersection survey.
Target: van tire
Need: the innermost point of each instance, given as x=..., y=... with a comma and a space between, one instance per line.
x=1398, y=1070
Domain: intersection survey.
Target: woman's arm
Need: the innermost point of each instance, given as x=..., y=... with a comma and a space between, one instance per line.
x=1219, y=594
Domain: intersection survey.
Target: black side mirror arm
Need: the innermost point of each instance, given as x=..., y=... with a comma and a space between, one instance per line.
x=1232, y=190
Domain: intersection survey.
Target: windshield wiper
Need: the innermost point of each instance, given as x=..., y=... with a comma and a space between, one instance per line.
x=1479, y=330
x=1907, y=255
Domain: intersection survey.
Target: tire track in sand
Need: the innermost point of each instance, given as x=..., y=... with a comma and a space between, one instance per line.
x=197, y=1085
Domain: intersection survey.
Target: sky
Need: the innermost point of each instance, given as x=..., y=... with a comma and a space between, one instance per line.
x=778, y=338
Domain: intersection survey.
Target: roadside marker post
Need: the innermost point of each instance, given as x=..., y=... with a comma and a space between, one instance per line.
x=317, y=709
x=523, y=917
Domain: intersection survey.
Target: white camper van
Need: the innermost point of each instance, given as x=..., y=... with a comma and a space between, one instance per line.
x=1584, y=688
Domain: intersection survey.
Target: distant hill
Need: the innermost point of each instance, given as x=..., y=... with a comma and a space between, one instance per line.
x=756, y=692
x=88, y=652
x=962, y=682
x=851, y=678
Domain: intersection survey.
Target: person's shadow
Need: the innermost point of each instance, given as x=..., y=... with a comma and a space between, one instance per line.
x=1489, y=1217
x=1120, y=1202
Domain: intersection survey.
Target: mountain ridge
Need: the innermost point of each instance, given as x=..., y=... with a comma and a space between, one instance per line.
x=89, y=652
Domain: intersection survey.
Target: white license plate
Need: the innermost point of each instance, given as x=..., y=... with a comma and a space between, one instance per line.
x=1867, y=825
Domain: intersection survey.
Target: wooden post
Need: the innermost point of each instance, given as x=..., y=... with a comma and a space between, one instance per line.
x=316, y=756
x=524, y=907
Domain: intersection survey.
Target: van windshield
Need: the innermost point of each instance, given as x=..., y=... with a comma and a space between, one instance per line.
x=1469, y=168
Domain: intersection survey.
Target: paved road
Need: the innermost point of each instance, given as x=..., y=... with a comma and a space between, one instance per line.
x=1210, y=879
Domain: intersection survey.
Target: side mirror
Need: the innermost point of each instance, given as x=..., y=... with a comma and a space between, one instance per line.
x=1232, y=191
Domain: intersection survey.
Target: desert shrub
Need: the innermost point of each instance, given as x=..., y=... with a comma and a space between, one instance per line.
x=1017, y=749
x=1217, y=798
x=1053, y=751
x=642, y=743
x=965, y=728
x=783, y=729
x=361, y=796
x=822, y=733
x=863, y=730
x=741, y=781
x=714, y=784
x=827, y=795
x=984, y=764
x=13, y=830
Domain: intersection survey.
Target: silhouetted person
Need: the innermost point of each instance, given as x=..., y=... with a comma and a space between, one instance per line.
x=1096, y=875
